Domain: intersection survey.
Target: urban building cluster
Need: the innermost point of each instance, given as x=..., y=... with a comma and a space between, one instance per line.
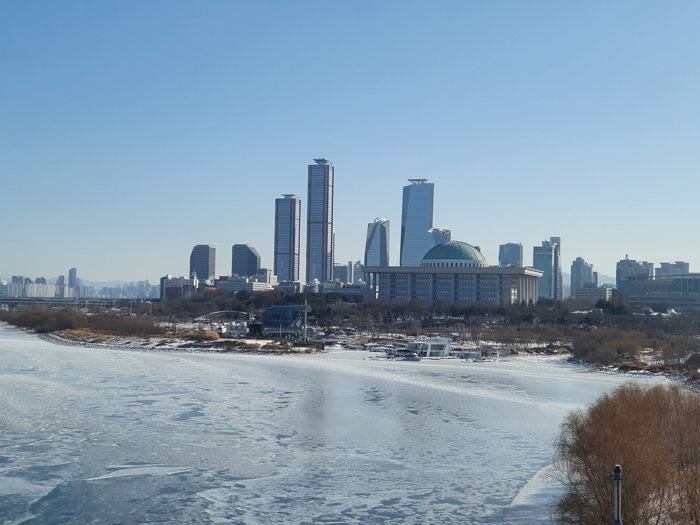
x=432, y=266
x=21, y=287
x=323, y=275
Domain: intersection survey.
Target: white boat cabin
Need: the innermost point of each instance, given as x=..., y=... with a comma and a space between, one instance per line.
x=431, y=347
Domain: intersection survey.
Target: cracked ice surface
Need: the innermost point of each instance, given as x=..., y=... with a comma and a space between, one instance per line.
x=133, y=437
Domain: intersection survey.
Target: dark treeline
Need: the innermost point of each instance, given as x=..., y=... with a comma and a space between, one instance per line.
x=604, y=335
x=44, y=320
x=336, y=310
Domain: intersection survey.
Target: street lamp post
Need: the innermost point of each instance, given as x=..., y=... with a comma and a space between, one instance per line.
x=617, y=495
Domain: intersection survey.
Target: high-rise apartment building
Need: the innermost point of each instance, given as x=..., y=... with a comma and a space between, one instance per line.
x=287, y=237
x=60, y=286
x=377, y=243
x=582, y=276
x=557, y=282
x=320, y=236
x=73, y=278
x=245, y=260
x=510, y=254
x=203, y=262
x=416, y=221
x=547, y=259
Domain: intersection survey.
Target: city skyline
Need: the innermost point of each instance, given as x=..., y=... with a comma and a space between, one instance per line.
x=102, y=141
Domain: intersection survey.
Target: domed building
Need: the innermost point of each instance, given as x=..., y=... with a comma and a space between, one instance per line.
x=454, y=254
x=454, y=272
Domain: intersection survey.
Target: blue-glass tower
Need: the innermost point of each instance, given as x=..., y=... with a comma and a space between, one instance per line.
x=320, y=235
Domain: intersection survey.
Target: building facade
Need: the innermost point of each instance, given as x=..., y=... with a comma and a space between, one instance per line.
x=416, y=221
x=669, y=269
x=245, y=260
x=510, y=254
x=287, y=238
x=455, y=272
x=320, y=235
x=593, y=294
x=681, y=292
x=547, y=259
x=203, y=262
x=344, y=273
x=73, y=278
x=582, y=275
x=630, y=270
x=177, y=287
x=377, y=243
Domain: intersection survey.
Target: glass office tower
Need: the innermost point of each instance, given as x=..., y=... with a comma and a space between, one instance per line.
x=287, y=237
x=245, y=260
x=510, y=254
x=377, y=243
x=416, y=221
x=547, y=259
x=202, y=261
x=320, y=235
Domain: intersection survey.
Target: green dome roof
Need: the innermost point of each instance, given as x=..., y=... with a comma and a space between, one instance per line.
x=454, y=250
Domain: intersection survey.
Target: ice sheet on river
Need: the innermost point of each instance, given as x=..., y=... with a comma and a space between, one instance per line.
x=133, y=437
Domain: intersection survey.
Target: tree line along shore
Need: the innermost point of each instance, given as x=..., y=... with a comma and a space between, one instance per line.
x=609, y=335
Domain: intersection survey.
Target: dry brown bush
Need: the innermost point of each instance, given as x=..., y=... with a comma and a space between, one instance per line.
x=201, y=335
x=654, y=433
x=605, y=346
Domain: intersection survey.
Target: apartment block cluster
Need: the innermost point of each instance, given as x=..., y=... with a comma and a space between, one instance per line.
x=19, y=286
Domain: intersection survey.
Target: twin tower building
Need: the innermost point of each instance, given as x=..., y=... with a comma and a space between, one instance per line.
x=418, y=235
x=320, y=233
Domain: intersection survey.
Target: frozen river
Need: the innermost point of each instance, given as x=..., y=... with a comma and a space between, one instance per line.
x=106, y=436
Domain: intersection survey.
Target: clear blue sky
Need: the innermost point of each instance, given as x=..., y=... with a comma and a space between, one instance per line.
x=131, y=130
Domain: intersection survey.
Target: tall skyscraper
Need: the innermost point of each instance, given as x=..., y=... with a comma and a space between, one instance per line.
x=377, y=243
x=416, y=221
x=320, y=236
x=203, y=262
x=557, y=282
x=546, y=258
x=582, y=275
x=245, y=260
x=73, y=278
x=287, y=237
x=510, y=254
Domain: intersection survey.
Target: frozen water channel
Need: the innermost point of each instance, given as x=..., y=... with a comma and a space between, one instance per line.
x=107, y=436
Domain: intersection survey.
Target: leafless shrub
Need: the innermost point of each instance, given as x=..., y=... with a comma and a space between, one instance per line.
x=654, y=433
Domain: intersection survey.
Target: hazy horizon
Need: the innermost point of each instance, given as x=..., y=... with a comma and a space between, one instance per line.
x=131, y=132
